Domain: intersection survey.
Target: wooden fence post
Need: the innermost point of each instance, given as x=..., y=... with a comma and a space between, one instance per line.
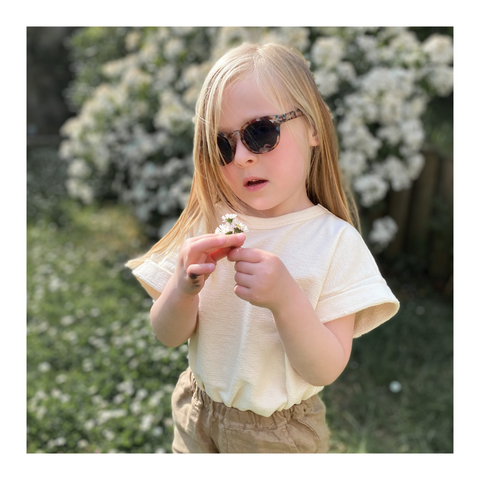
x=398, y=208
x=441, y=259
x=421, y=205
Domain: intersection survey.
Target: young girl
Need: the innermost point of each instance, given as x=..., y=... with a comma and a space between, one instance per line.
x=269, y=315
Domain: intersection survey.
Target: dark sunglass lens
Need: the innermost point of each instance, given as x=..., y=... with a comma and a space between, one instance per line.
x=225, y=149
x=260, y=136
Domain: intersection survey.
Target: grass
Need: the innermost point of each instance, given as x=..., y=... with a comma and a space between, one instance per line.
x=415, y=348
x=99, y=381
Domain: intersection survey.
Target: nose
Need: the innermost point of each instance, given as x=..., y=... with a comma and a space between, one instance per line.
x=243, y=157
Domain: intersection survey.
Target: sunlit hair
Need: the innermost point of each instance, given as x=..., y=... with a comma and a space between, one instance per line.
x=283, y=76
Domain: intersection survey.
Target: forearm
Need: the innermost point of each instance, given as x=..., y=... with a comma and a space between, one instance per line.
x=174, y=315
x=312, y=348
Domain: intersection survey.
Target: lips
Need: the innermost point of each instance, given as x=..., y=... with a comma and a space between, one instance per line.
x=253, y=184
x=253, y=181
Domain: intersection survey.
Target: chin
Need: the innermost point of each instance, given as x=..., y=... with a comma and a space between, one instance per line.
x=266, y=211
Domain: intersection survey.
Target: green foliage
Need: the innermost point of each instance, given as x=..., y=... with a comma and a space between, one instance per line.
x=46, y=176
x=89, y=49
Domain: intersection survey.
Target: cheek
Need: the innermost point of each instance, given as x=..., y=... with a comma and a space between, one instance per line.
x=295, y=158
x=229, y=175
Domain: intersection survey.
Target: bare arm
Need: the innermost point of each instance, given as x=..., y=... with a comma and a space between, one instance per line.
x=174, y=314
x=318, y=352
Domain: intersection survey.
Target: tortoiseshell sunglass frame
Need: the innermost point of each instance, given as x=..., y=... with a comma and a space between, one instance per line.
x=276, y=120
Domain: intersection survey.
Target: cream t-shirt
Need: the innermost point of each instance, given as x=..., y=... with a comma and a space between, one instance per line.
x=236, y=353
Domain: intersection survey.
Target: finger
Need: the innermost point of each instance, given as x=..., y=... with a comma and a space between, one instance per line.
x=224, y=251
x=245, y=267
x=242, y=292
x=211, y=243
x=244, y=280
x=195, y=270
x=251, y=255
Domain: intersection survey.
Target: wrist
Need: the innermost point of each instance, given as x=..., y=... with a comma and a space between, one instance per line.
x=186, y=288
x=290, y=296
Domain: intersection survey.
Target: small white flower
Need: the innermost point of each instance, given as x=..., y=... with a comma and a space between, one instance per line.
x=395, y=386
x=59, y=442
x=230, y=225
x=89, y=424
x=44, y=367
x=82, y=443
x=225, y=229
x=239, y=226
x=108, y=434
x=439, y=48
x=383, y=231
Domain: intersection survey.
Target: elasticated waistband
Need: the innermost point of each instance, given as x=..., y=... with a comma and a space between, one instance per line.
x=246, y=418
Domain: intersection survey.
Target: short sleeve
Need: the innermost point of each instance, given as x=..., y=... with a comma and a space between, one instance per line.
x=157, y=270
x=354, y=285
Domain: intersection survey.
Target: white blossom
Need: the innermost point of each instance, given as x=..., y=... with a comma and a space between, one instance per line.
x=327, y=81
x=346, y=71
x=392, y=134
x=79, y=168
x=327, y=51
x=108, y=434
x=413, y=134
x=415, y=165
x=383, y=231
x=441, y=78
x=147, y=422
x=173, y=47
x=439, y=48
x=352, y=163
x=394, y=171
x=395, y=386
x=225, y=229
x=371, y=188
x=368, y=44
x=44, y=367
x=231, y=225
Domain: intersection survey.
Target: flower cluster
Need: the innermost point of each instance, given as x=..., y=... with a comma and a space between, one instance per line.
x=133, y=136
x=378, y=82
x=383, y=231
x=230, y=225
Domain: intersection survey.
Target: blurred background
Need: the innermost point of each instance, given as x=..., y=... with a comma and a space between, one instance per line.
x=109, y=167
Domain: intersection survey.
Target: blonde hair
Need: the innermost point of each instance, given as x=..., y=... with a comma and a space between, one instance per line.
x=284, y=77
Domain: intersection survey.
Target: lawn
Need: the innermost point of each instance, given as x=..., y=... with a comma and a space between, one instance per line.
x=99, y=381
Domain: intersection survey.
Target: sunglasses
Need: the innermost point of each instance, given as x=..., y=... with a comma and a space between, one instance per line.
x=260, y=135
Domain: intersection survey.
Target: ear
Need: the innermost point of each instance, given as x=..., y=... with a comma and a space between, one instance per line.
x=313, y=139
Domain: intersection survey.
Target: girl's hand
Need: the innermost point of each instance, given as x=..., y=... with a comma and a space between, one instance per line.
x=198, y=258
x=262, y=278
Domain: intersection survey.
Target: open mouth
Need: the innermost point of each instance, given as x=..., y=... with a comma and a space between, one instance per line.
x=252, y=181
x=253, y=184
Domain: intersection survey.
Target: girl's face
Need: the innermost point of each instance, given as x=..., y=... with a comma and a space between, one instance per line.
x=273, y=183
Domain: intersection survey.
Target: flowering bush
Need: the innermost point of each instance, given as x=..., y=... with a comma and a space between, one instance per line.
x=133, y=136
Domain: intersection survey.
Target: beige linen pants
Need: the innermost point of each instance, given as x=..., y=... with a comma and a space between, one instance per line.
x=204, y=426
